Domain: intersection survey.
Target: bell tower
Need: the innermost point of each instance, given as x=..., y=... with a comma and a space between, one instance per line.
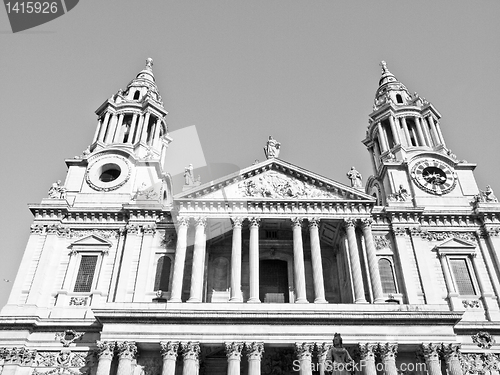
x=412, y=165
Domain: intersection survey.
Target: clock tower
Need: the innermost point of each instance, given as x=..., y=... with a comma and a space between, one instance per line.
x=412, y=165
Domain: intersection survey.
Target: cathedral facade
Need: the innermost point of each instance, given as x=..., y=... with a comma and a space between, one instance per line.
x=273, y=269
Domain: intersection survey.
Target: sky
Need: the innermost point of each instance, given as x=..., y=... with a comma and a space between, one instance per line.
x=304, y=72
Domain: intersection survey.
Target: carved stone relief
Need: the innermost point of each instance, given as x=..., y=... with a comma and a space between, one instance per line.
x=483, y=339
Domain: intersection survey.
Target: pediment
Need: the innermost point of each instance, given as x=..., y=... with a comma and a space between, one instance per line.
x=275, y=179
x=456, y=243
x=91, y=240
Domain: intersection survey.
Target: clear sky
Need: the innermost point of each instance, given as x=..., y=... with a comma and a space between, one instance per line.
x=304, y=72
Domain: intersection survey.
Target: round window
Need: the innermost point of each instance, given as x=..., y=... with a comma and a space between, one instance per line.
x=109, y=172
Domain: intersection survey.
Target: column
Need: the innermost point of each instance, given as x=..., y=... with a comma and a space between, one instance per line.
x=490, y=303
x=420, y=134
x=322, y=350
x=438, y=129
x=382, y=137
x=105, y=354
x=402, y=138
x=254, y=355
x=117, y=138
x=163, y=154
x=110, y=131
x=434, y=133
x=131, y=247
x=406, y=131
x=138, y=132
x=169, y=351
x=97, y=130
x=303, y=351
x=104, y=126
x=298, y=261
x=451, y=354
x=317, y=266
x=371, y=252
x=395, y=130
x=133, y=126
x=179, y=260
x=425, y=130
x=388, y=354
x=233, y=353
x=144, y=130
x=198, y=269
x=357, y=277
x=254, y=260
x=190, y=356
x=367, y=351
x=145, y=260
x=126, y=353
x=430, y=353
x=452, y=293
x=156, y=135
x=236, y=295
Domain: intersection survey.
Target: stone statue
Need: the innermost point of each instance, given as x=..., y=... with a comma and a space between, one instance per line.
x=402, y=194
x=338, y=360
x=57, y=191
x=272, y=149
x=355, y=177
x=488, y=195
x=188, y=175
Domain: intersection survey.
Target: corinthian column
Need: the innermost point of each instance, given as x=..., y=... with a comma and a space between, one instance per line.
x=303, y=351
x=388, y=353
x=105, y=353
x=357, y=277
x=378, y=295
x=190, y=356
x=236, y=262
x=322, y=351
x=169, y=354
x=298, y=261
x=180, y=259
x=367, y=352
x=319, y=283
x=430, y=353
x=254, y=260
x=126, y=353
x=452, y=358
x=233, y=353
x=254, y=355
x=198, y=269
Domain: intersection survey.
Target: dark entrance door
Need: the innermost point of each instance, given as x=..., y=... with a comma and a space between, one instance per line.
x=273, y=275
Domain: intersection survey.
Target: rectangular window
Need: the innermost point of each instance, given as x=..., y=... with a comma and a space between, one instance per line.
x=462, y=276
x=85, y=273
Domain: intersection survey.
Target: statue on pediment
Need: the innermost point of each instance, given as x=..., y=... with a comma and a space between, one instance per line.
x=188, y=175
x=355, y=177
x=488, y=195
x=272, y=149
x=57, y=191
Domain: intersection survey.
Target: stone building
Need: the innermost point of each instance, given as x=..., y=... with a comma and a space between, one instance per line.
x=255, y=272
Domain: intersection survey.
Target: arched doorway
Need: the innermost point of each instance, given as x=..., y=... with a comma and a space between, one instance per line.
x=273, y=281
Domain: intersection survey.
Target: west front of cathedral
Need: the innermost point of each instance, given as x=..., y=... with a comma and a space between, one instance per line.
x=273, y=269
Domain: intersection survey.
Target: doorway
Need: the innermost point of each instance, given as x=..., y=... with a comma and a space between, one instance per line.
x=273, y=275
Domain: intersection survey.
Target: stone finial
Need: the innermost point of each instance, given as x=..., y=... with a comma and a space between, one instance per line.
x=272, y=149
x=383, y=64
x=149, y=63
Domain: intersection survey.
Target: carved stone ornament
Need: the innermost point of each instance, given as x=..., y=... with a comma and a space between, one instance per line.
x=233, y=350
x=105, y=349
x=401, y=195
x=322, y=349
x=480, y=363
x=190, y=350
x=168, y=239
x=65, y=362
x=94, y=170
x=486, y=196
x=145, y=192
x=149, y=228
x=78, y=301
x=471, y=304
x=440, y=236
x=483, y=339
x=272, y=184
x=126, y=349
x=103, y=233
x=133, y=229
x=37, y=228
x=68, y=337
x=59, y=230
x=388, y=350
x=382, y=242
x=169, y=350
x=57, y=191
x=430, y=351
x=303, y=350
x=367, y=351
x=254, y=350
x=18, y=355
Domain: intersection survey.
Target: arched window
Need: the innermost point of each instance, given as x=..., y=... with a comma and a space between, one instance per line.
x=387, y=276
x=399, y=99
x=162, y=277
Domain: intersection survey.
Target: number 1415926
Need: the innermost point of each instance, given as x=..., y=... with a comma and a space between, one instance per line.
x=31, y=7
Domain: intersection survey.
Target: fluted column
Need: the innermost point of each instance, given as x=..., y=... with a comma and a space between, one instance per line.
x=105, y=354
x=254, y=260
x=430, y=353
x=451, y=354
x=104, y=126
x=144, y=130
x=420, y=134
x=298, y=261
x=322, y=350
x=395, y=132
x=236, y=262
x=138, y=132
x=424, y=130
x=117, y=137
x=357, y=276
x=440, y=134
x=198, y=269
x=303, y=350
x=169, y=351
x=371, y=252
x=382, y=137
x=233, y=353
x=434, y=133
x=190, y=355
x=179, y=260
x=156, y=134
x=367, y=351
x=97, y=129
x=388, y=353
x=133, y=127
x=317, y=264
x=126, y=353
x=254, y=355
x=406, y=131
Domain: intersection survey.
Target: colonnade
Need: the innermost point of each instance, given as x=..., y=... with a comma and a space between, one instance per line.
x=199, y=253
x=372, y=357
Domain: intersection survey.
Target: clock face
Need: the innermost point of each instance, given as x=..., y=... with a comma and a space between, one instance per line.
x=434, y=176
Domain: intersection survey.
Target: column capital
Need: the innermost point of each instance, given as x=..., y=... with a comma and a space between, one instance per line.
x=314, y=222
x=105, y=349
x=430, y=351
x=183, y=221
x=322, y=349
x=200, y=221
x=349, y=223
x=126, y=349
x=237, y=222
x=169, y=349
x=233, y=350
x=303, y=350
x=296, y=221
x=451, y=351
x=366, y=223
x=190, y=350
x=254, y=350
x=367, y=350
x=254, y=221
x=388, y=351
